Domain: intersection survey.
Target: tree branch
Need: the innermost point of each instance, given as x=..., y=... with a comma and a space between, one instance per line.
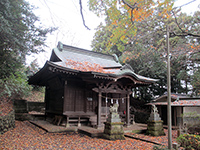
x=81, y=11
x=134, y=6
x=184, y=33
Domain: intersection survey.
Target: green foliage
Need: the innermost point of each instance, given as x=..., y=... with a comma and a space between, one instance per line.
x=122, y=17
x=145, y=48
x=14, y=87
x=160, y=147
x=178, y=73
x=141, y=117
x=196, y=81
x=35, y=96
x=32, y=68
x=191, y=114
x=189, y=141
x=147, y=62
x=38, y=88
x=192, y=118
x=101, y=39
x=19, y=35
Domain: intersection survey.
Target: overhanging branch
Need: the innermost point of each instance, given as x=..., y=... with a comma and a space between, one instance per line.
x=184, y=33
x=81, y=11
x=132, y=7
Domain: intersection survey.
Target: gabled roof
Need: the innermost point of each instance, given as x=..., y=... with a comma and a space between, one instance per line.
x=83, y=60
x=177, y=100
x=73, y=60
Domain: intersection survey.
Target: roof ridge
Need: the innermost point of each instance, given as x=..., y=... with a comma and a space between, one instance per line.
x=86, y=52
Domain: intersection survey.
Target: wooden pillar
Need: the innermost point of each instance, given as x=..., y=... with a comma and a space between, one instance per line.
x=65, y=97
x=128, y=110
x=182, y=117
x=79, y=121
x=99, y=111
x=175, y=115
x=67, y=122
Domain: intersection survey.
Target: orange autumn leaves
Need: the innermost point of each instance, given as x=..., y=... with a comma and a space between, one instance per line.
x=85, y=66
x=29, y=136
x=123, y=14
x=6, y=108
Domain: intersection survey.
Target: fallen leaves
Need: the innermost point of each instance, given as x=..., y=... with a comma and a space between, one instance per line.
x=84, y=66
x=5, y=107
x=28, y=136
x=156, y=139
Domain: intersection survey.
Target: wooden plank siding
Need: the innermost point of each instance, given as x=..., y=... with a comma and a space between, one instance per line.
x=79, y=99
x=74, y=99
x=54, y=96
x=55, y=101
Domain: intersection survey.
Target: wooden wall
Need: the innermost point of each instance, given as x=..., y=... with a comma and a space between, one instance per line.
x=74, y=99
x=54, y=96
x=78, y=98
x=75, y=95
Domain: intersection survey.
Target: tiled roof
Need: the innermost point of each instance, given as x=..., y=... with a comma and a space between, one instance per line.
x=85, y=57
x=90, y=61
x=180, y=103
x=177, y=100
x=76, y=61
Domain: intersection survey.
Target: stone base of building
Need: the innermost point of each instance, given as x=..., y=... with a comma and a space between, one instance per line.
x=114, y=131
x=23, y=116
x=155, y=128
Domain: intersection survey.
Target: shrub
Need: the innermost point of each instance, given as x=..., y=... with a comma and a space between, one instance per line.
x=189, y=141
x=14, y=87
x=141, y=117
x=160, y=147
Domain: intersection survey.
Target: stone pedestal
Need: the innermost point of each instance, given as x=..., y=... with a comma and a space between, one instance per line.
x=113, y=126
x=155, y=124
x=155, y=128
x=114, y=131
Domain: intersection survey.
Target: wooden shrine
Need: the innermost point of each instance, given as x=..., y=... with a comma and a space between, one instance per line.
x=83, y=84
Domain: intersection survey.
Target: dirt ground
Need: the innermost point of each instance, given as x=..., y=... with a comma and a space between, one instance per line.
x=27, y=136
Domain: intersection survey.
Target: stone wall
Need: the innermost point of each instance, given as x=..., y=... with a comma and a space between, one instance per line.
x=35, y=106
x=191, y=116
x=22, y=107
x=7, y=122
x=191, y=121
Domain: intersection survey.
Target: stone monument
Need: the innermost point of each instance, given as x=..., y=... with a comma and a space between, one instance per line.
x=155, y=124
x=113, y=126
